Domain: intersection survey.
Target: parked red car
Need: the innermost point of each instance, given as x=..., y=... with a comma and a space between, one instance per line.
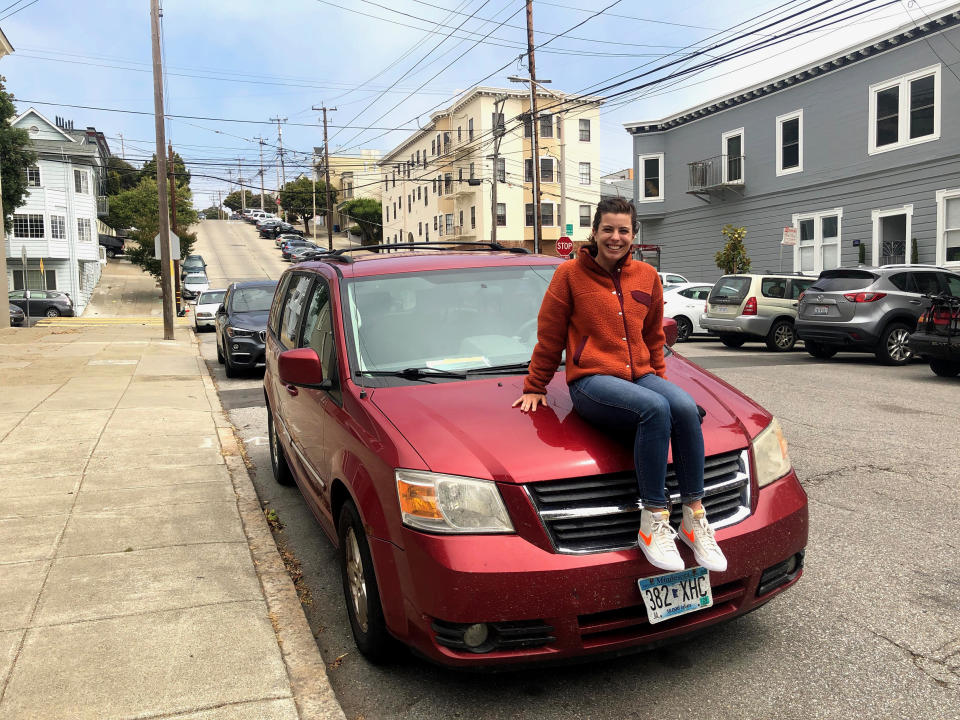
x=474, y=533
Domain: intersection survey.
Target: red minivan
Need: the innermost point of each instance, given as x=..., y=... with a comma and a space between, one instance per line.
x=474, y=533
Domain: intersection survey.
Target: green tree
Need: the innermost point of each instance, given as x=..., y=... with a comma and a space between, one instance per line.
x=368, y=215
x=138, y=210
x=733, y=258
x=16, y=155
x=297, y=197
x=212, y=213
x=233, y=201
x=121, y=175
x=180, y=171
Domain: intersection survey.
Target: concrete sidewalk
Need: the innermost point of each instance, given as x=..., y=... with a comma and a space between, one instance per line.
x=138, y=576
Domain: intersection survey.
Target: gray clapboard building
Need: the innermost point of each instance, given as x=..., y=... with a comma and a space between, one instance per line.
x=859, y=148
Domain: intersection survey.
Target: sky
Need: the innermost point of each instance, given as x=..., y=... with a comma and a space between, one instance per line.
x=384, y=64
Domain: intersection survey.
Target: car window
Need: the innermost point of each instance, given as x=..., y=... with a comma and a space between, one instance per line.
x=16, y=295
x=274, y=322
x=903, y=281
x=701, y=293
x=211, y=298
x=927, y=283
x=675, y=279
x=251, y=299
x=773, y=287
x=318, y=331
x=731, y=289
x=840, y=280
x=798, y=286
x=951, y=283
x=293, y=310
x=686, y=292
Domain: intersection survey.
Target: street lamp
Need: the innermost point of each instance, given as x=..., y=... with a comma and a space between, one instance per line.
x=535, y=151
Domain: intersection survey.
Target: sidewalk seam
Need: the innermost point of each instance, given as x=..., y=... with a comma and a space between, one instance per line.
x=306, y=670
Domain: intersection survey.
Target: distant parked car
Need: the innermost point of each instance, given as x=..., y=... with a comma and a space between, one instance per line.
x=192, y=264
x=279, y=239
x=288, y=248
x=242, y=323
x=17, y=316
x=870, y=309
x=755, y=307
x=205, y=309
x=49, y=303
x=669, y=278
x=113, y=244
x=684, y=303
x=272, y=231
x=194, y=284
x=937, y=339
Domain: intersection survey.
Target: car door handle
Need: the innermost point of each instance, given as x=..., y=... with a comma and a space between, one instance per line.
x=916, y=302
x=292, y=389
x=795, y=304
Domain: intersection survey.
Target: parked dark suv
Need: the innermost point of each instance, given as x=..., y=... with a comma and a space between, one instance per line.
x=241, y=323
x=473, y=532
x=869, y=309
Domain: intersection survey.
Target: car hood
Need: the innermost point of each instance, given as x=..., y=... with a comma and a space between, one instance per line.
x=255, y=320
x=469, y=428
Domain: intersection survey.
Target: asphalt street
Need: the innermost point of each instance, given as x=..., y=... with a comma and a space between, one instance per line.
x=871, y=630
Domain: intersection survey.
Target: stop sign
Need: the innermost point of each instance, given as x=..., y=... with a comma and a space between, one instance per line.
x=564, y=246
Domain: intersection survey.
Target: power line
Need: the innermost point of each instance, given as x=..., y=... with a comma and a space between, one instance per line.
x=24, y=7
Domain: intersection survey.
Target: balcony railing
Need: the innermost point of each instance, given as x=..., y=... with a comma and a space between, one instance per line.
x=103, y=205
x=716, y=172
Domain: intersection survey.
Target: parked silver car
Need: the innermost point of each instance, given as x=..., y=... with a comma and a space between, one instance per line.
x=755, y=307
x=870, y=309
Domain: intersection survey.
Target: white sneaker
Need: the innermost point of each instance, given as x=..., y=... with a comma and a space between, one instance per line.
x=696, y=532
x=657, y=540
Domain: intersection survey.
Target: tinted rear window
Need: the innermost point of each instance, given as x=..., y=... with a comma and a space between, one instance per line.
x=730, y=290
x=837, y=280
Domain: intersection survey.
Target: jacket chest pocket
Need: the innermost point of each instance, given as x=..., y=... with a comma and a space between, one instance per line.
x=644, y=299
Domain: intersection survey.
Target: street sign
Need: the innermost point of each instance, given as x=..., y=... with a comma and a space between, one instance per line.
x=564, y=246
x=174, y=246
x=789, y=236
x=569, y=229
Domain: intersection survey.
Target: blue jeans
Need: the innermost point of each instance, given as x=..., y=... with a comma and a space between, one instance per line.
x=654, y=411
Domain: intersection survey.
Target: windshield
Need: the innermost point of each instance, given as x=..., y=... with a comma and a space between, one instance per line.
x=844, y=280
x=445, y=320
x=211, y=298
x=731, y=289
x=252, y=299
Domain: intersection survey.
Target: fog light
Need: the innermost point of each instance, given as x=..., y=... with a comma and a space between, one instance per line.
x=236, y=347
x=476, y=635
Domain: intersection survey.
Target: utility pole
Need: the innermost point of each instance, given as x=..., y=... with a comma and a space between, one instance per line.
x=173, y=227
x=243, y=190
x=534, y=133
x=165, y=266
x=313, y=178
x=326, y=168
x=283, y=171
x=497, y=137
x=260, y=140
x=123, y=152
x=219, y=205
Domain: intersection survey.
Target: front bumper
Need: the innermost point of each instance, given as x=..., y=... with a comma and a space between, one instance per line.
x=938, y=347
x=574, y=605
x=847, y=334
x=752, y=325
x=245, y=352
x=204, y=321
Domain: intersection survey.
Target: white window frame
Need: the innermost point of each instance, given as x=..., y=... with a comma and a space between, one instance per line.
x=781, y=119
x=942, y=197
x=723, y=155
x=640, y=174
x=589, y=173
x=84, y=180
x=818, y=237
x=58, y=222
x=556, y=170
x=39, y=175
x=580, y=130
x=543, y=204
x=580, y=215
x=84, y=230
x=903, y=116
x=875, y=216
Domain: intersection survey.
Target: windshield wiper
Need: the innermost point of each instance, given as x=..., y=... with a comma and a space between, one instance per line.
x=507, y=369
x=413, y=373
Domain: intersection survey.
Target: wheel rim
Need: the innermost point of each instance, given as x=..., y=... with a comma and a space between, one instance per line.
x=51, y=313
x=355, y=580
x=783, y=337
x=897, y=347
x=683, y=329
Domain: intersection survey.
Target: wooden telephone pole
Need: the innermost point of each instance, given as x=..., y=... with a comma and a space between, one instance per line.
x=534, y=133
x=165, y=266
x=326, y=168
x=173, y=227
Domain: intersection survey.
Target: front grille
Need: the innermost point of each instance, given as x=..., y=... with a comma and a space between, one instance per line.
x=518, y=635
x=600, y=513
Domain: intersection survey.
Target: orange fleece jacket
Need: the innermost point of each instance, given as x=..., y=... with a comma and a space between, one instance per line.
x=609, y=324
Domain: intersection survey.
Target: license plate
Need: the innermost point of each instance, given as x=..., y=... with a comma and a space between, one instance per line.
x=721, y=309
x=820, y=310
x=674, y=594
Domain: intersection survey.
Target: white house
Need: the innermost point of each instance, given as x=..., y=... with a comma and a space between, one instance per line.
x=58, y=223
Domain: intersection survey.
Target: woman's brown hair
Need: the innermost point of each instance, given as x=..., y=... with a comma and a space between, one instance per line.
x=617, y=206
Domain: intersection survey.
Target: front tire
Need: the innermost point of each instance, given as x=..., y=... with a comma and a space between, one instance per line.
x=732, y=341
x=360, y=589
x=278, y=461
x=819, y=350
x=52, y=312
x=782, y=336
x=111, y=253
x=945, y=368
x=219, y=351
x=893, y=348
x=228, y=367
x=684, y=328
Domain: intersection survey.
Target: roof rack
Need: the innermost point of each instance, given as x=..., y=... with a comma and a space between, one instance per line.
x=340, y=255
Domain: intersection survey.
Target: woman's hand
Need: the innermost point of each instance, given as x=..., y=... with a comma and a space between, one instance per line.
x=528, y=401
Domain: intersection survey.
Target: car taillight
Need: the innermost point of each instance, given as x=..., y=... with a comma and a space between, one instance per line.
x=751, y=307
x=864, y=296
x=800, y=299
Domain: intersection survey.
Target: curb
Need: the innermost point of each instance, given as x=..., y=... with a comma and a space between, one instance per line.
x=306, y=670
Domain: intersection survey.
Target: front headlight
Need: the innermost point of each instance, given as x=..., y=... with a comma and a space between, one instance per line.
x=240, y=332
x=450, y=504
x=770, y=451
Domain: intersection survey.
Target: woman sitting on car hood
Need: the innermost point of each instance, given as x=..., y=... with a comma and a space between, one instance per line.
x=606, y=310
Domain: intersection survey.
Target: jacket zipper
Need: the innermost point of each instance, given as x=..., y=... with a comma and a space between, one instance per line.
x=623, y=314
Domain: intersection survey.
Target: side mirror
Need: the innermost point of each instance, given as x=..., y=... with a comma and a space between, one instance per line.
x=300, y=367
x=670, y=330
x=221, y=310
